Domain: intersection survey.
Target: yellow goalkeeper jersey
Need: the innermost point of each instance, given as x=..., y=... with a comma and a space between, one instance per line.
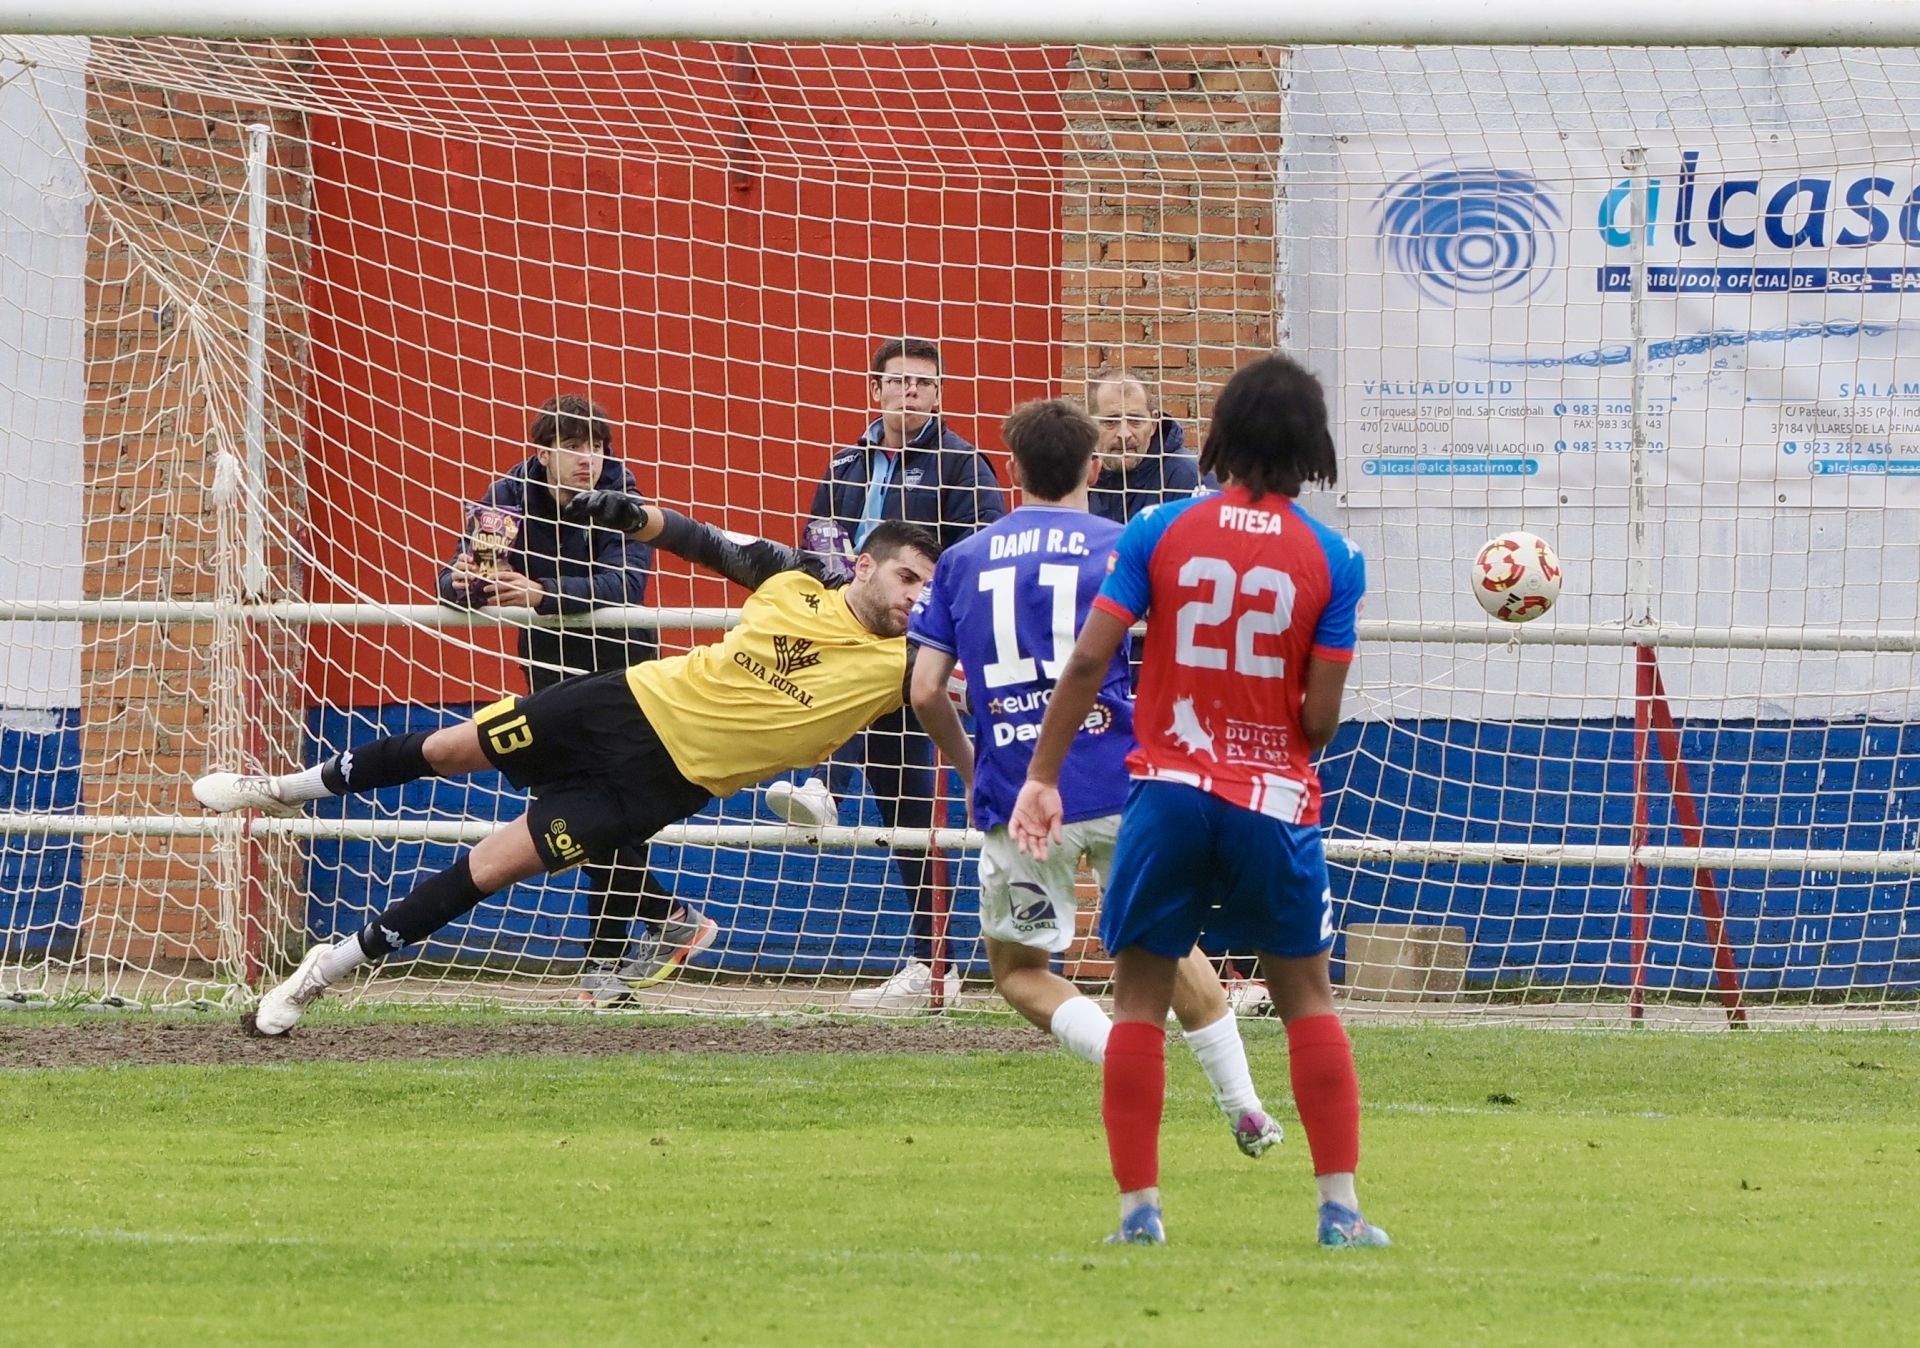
x=793, y=681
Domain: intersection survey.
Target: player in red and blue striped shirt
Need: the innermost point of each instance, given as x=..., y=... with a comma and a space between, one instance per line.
x=1253, y=606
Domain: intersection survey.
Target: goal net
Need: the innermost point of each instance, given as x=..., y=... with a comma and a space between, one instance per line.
x=277, y=316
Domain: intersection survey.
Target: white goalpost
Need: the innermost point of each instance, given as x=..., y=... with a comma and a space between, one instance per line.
x=276, y=308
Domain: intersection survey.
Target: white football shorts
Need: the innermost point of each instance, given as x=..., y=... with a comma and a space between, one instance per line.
x=1033, y=903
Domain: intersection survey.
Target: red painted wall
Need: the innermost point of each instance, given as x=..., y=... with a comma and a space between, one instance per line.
x=720, y=295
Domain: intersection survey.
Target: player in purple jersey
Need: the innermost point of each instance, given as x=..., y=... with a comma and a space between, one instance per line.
x=1253, y=608
x=1006, y=604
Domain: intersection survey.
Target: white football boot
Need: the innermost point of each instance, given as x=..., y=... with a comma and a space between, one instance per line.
x=911, y=989
x=225, y=792
x=808, y=805
x=280, y=1010
x=1249, y=997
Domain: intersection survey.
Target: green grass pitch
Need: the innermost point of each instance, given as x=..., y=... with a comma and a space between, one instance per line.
x=1541, y=1187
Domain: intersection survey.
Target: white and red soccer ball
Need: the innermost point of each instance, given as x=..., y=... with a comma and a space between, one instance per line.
x=1515, y=576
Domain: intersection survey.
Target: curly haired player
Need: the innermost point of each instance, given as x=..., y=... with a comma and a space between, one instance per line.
x=1254, y=606
x=620, y=755
x=1005, y=603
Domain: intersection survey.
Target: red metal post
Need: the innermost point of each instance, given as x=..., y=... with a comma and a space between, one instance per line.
x=1637, y=874
x=939, y=882
x=1686, y=808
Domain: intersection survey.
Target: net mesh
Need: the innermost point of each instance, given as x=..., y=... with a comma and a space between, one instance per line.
x=277, y=314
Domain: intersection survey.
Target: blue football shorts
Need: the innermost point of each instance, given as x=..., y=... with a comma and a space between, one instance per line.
x=1190, y=867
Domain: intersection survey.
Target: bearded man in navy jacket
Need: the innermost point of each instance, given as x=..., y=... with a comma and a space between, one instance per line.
x=1142, y=452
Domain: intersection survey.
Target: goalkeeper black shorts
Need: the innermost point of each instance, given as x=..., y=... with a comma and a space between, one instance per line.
x=601, y=778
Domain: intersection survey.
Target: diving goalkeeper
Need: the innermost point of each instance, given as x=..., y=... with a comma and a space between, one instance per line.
x=618, y=756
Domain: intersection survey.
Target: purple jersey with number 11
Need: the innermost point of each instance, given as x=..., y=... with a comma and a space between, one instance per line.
x=1243, y=593
x=1009, y=603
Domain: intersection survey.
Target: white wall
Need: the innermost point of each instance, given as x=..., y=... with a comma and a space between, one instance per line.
x=43, y=258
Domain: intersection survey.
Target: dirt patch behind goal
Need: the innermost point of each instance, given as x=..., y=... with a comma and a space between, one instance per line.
x=146, y=1040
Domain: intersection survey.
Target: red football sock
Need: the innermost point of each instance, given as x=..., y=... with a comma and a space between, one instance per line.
x=1134, y=1088
x=1326, y=1092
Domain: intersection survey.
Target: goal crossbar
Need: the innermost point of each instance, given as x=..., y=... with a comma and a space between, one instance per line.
x=1639, y=22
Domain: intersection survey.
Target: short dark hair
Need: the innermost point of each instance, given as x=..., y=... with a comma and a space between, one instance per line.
x=568, y=419
x=1052, y=441
x=914, y=348
x=1269, y=431
x=890, y=538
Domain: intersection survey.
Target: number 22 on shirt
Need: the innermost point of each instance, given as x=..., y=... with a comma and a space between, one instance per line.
x=1202, y=640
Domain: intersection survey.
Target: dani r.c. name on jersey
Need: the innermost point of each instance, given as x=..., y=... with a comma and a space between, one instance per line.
x=1009, y=603
x=1242, y=594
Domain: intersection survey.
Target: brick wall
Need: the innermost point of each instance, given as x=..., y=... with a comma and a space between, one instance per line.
x=1168, y=268
x=1171, y=177
x=166, y=334
x=1172, y=174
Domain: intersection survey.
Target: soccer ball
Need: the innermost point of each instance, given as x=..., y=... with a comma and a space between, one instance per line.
x=1516, y=577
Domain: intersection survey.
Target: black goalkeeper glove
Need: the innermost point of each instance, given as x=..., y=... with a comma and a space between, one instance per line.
x=615, y=509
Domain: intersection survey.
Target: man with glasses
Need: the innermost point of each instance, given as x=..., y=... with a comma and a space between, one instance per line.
x=907, y=465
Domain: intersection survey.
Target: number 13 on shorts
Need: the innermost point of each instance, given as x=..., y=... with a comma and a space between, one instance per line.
x=509, y=735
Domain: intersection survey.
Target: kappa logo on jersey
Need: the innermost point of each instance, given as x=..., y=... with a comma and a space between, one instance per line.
x=812, y=601
x=1187, y=731
x=346, y=767
x=794, y=653
x=562, y=843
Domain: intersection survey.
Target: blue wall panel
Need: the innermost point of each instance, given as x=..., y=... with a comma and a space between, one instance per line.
x=1852, y=785
x=856, y=924
x=41, y=877
x=1845, y=785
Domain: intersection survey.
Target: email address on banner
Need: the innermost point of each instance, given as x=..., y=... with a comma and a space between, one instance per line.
x=1750, y=280
x=1866, y=467
x=1462, y=467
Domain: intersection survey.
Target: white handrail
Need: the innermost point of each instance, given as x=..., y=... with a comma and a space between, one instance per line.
x=1370, y=851
x=1477, y=633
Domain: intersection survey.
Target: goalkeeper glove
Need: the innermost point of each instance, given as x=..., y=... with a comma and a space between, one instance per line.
x=615, y=509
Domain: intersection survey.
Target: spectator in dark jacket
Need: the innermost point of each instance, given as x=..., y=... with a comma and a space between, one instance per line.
x=1142, y=452
x=906, y=466
x=518, y=550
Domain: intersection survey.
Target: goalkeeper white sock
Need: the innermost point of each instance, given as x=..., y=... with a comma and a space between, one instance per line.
x=1223, y=1057
x=341, y=959
x=297, y=787
x=1082, y=1029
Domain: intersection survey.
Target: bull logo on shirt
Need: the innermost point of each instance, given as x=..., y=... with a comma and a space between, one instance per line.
x=1187, y=732
x=793, y=653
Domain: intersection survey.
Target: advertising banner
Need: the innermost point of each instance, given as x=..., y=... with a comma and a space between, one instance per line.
x=1490, y=331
